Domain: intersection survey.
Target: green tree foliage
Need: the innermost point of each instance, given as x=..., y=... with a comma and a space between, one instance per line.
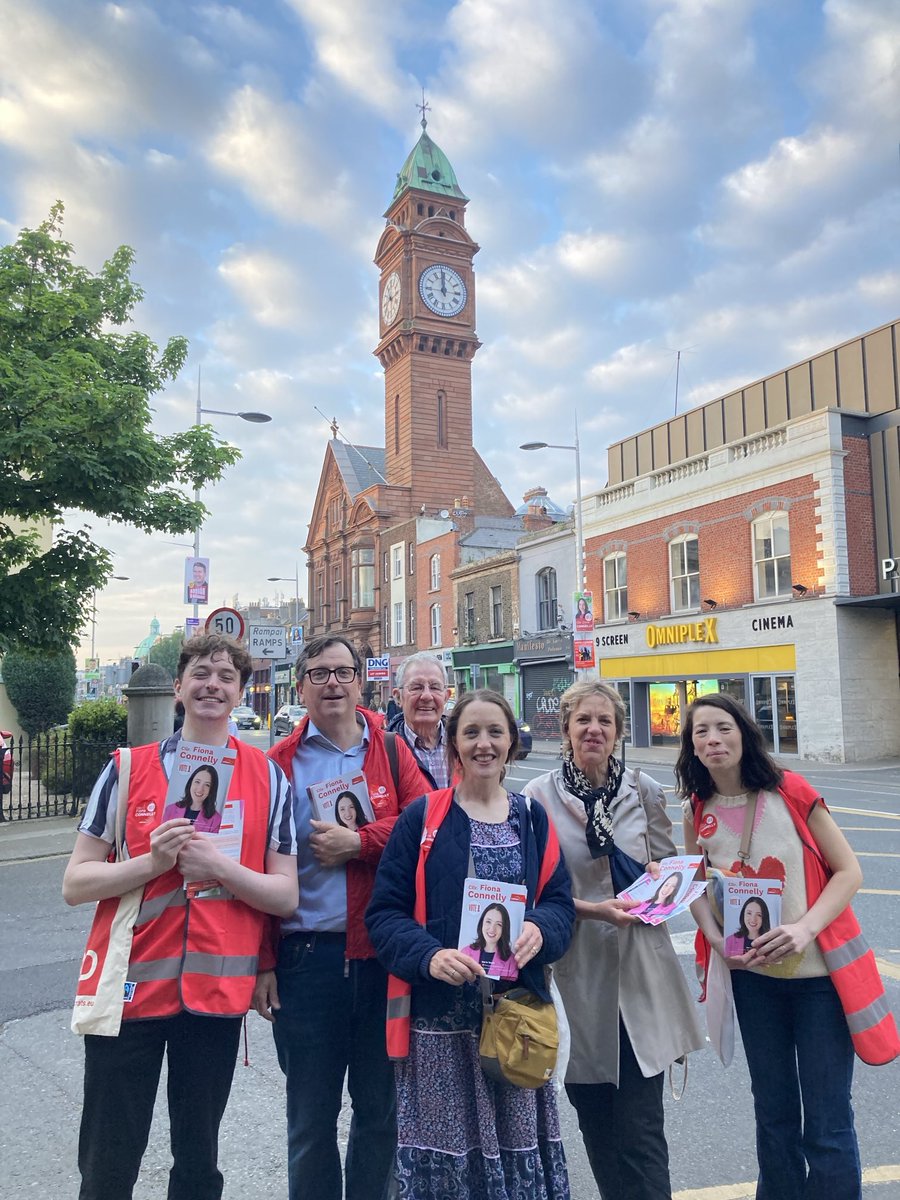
x=75, y=432
x=166, y=652
x=41, y=686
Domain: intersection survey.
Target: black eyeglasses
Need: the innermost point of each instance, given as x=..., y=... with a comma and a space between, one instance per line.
x=320, y=675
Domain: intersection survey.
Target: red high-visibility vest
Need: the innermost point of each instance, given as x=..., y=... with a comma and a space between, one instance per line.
x=200, y=954
x=848, y=956
x=399, y=991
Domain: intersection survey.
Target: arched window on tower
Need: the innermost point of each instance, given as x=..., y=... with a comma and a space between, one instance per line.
x=442, y=420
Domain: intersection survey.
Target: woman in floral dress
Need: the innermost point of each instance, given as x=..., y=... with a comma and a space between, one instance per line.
x=461, y=1135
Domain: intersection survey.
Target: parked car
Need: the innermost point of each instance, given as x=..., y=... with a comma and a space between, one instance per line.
x=6, y=762
x=245, y=718
x=525, y=739
x=288, y=718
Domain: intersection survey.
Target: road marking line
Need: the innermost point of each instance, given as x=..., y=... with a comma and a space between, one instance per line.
x=746, y=1191
x=864, y=812
x=892, y=970
x=873, y=853
x=878, y=892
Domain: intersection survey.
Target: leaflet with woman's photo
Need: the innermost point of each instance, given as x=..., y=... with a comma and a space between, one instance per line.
x=344, y=800
x=750, y=908
x=198, y=790
x=667, y=895
x=492, y=918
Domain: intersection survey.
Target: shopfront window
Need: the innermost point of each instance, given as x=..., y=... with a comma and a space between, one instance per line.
x=775, y=710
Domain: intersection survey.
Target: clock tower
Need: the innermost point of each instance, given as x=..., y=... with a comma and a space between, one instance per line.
x=428, y=340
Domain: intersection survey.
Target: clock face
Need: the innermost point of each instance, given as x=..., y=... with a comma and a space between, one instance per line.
x=390, y=298
x=443, y=290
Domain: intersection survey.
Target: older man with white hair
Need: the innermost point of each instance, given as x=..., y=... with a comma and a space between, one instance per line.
x=421, y=692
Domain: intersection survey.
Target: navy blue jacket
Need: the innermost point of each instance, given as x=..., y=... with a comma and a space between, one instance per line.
x=397, y=725
x=406, y=948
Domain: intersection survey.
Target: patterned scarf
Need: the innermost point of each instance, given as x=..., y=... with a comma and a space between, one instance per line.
x=596, y=801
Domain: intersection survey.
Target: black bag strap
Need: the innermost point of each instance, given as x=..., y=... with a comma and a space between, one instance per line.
x=390, y=744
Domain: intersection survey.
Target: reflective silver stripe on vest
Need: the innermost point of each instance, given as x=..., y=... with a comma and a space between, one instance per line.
x=398, y=1006
x=842, y=956
x=222, y=965
x=868, y=1017
x=152, y=908
x=154, y=970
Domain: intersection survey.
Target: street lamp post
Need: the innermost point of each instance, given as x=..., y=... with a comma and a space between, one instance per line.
x=579, y=532
x=256, y=418
x=295, y=580
x=94, y=619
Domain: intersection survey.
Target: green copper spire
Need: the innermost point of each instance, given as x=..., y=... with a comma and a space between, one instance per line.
x=428, y=168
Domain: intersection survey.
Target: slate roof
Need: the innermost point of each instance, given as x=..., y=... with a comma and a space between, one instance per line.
x=360, y=466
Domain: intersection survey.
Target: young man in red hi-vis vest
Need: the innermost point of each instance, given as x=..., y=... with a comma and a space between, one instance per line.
x=193, y=960
x=327, y=992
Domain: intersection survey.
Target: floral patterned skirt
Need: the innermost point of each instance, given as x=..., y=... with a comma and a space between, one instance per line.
x=461, y=1135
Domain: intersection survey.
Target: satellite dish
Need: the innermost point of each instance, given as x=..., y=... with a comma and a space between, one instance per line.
x=444, y=514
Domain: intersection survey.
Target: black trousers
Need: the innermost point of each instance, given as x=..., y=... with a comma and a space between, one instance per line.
x=121, y=1078
x=623, y=1131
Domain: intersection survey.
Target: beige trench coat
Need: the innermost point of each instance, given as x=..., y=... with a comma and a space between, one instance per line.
x=607, y=971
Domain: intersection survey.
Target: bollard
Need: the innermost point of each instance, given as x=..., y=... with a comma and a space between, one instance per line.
x=151, y=705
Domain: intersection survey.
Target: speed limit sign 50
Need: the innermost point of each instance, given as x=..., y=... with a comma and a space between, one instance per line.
x=226, y=620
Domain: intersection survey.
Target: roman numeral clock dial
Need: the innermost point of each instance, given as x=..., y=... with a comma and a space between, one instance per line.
x=443, y=290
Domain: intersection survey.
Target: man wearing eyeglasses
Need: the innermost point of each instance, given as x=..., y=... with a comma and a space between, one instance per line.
x=421, y=692
x=326, y=995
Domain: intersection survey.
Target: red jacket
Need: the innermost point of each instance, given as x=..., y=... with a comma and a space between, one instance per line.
x=373, y=837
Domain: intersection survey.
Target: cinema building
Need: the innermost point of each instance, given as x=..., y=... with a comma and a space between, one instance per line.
x=751, y=546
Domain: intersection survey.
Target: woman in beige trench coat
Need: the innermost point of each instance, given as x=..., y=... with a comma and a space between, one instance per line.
x=628, y=1005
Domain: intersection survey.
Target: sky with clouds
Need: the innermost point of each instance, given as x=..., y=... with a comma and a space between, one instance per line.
x=719, y=177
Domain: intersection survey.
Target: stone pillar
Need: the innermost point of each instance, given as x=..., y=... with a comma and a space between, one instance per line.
x=151, y=705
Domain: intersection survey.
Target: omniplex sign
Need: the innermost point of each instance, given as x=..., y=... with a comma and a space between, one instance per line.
x=890, y=567
x=688, y=631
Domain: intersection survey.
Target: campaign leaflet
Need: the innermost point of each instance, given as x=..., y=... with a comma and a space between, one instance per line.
x=750, y=908
x=492, y=918
x=343, y=801
x=198, y=789
x=667, y=895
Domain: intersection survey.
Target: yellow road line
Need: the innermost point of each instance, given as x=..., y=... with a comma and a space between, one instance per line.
x=892, y=970
x=878, y=892
x=864, y=812
x=746, y=1191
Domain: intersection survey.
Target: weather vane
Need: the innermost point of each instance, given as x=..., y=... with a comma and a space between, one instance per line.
x=423, y=109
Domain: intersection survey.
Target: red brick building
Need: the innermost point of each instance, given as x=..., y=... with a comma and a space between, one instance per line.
x=375, y=505
x=750, y=546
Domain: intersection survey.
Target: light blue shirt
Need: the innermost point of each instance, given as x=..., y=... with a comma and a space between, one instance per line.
x=323, y=890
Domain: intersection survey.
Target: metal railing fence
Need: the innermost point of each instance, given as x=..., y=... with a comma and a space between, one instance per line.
x=51, y=774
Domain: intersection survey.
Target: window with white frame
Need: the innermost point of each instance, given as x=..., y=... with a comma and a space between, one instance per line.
x=684, y=572
x=399, y=632
x=397, y=561
x=546, y=598
x=435, y=624
x=772, y=555
x=435, y=572
x=615, y=587
x=497, y=611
